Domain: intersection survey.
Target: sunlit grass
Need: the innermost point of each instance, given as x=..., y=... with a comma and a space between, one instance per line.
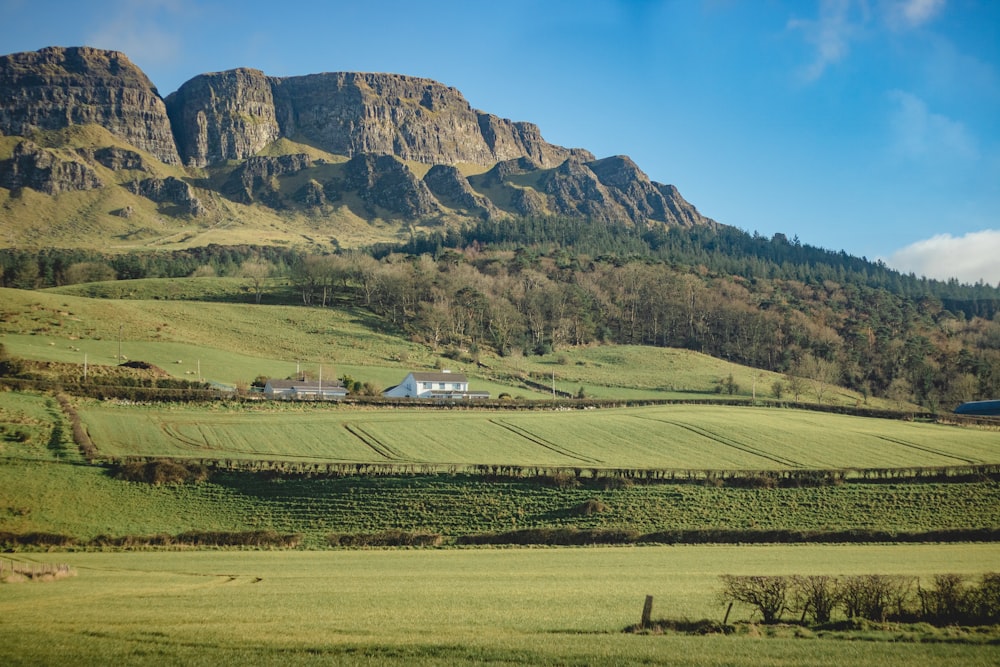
x=547, y=606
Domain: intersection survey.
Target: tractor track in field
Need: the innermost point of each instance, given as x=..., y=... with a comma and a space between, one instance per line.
x=374, y=443
x=928, y=450
x=541, y=442
x=722, y=440
x=186, y=442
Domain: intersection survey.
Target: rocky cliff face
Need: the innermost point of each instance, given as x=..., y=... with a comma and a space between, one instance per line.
x=34, y=167
x=57, y=87
x=223, y=116
x=232, y=115
x=380, y=122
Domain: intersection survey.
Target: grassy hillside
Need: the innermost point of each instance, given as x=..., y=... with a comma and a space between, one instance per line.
x=235, y=341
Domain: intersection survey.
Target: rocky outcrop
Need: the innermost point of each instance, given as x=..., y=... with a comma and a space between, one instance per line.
x=169, y=190
x=114, y=158
x=641, y=198
x=36, y=168
x=312, y=194
x=452, y=189
x=527, y=202
x=574, y=190
x=56, y=87
x=256, y=175
x=223, y=116
x=384, y=181
x=232, y=115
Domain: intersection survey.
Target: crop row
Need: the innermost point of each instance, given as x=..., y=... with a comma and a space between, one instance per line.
x=455, y=507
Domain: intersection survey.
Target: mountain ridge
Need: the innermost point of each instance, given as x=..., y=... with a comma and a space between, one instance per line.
x=370, y=132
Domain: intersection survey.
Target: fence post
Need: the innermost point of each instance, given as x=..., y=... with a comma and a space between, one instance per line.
x=647, y=611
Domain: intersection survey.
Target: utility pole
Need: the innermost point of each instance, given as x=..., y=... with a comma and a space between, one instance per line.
x=120, y=343
x=85, y=367
x=320, y=385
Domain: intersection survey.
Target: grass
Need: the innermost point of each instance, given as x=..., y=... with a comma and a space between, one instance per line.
x=161, y=322
x=45, y=487
x=548, y=606
x=682, y=437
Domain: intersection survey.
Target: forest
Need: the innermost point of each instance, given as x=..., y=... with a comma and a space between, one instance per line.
x=538, y=285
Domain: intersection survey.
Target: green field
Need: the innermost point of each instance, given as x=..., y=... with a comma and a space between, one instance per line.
x=431, y=607
x=683, y=437
x=43, y=479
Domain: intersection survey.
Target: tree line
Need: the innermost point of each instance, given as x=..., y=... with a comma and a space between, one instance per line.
x=538, y=285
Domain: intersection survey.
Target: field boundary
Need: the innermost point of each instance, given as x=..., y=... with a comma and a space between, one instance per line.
x=800, y=477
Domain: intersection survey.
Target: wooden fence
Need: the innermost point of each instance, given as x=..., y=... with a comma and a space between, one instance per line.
x=33, y=571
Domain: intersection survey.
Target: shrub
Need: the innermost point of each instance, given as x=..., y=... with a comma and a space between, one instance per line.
x=767, y=594
x=561, y=480
x=817, y=596
x=588, y=507
x=875, y=596
x=162, y=471
x=388, y=538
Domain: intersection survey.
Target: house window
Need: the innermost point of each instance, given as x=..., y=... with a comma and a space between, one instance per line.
x=440, y=385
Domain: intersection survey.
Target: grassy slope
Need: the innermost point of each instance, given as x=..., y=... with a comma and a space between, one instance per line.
x=90, y=219
x=237, y=340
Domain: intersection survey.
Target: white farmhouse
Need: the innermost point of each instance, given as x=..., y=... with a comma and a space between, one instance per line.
x=299, y=390
x=442, y=386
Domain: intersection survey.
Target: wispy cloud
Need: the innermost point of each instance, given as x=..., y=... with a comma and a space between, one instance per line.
x=842, y=22
x=968, y=258
x=908, y=14
x=919, y=133
x=830, y=34
x=143, y=29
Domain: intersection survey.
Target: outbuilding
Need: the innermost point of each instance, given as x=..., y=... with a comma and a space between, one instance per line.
x=304, y=390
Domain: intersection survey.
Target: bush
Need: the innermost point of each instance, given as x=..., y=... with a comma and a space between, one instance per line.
x=588, y=507
x=766, y=594
x=816, y=596
x=162, y=471
x=876, y=596
x=388, y=538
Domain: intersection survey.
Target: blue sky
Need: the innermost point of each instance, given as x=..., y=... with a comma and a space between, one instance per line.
x=871, y=126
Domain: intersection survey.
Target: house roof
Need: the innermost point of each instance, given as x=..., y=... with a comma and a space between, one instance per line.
x=439, y=377
x=304, y=384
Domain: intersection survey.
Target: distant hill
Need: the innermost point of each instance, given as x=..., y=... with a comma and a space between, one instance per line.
x=92, y=155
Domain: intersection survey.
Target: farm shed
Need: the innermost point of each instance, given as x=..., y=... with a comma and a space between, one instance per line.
x=979, y=408
x=298, y=390
x=441, y=386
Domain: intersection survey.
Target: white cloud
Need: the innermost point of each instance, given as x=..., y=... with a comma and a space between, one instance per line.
x=969, y=258
x=908, y=14
x=831, y=34
x=919, y=133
